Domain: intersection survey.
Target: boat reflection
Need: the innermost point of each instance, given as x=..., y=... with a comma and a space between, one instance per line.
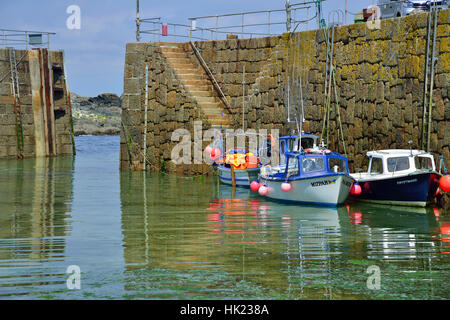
x=396, y=232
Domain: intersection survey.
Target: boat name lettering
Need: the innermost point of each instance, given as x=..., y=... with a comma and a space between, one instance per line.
x=323, y=183
x=407, y=181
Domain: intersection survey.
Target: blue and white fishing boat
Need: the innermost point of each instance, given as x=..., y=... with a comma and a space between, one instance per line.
x=398, y=177
x=247, y=164
x=316, y=177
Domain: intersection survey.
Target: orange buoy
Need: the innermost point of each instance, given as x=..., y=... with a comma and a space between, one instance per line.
x=444, y=183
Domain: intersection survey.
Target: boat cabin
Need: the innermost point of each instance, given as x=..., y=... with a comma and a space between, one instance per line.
x=301, y=165
x=399, y=161
x=295, y=144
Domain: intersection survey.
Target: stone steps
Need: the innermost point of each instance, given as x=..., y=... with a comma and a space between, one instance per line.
x=197, y=83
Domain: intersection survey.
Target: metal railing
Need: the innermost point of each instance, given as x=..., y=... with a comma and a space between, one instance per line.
x=247, y=24
x=25, y=38
x=211, y=76
x=243, y=24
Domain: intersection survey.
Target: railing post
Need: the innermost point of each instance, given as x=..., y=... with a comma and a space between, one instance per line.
x=159, y=27
x=217, y=25
x=288, y=15
x=138, y=23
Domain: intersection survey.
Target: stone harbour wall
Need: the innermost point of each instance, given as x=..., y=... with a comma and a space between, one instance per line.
x=41, y=113
x=380, y=85
x=169, y=107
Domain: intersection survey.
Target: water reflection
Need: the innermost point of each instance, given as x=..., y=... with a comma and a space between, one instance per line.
x=35, y=200
x=179, y=225
x=143, y=235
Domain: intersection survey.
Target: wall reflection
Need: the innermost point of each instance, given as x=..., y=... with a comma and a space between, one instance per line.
x=35, y=199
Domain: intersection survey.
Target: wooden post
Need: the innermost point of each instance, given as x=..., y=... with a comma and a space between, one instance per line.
x=233, y=178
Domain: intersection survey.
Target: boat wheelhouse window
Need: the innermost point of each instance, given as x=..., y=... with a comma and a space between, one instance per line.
x=397, y=164
x=312, y=164
x=423, y=163
x=292, y=168
x=307, y=143
x=337, y=165
x=376, y=166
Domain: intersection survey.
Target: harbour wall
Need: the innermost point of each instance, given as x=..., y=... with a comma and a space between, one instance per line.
x=379, y=81
x=35, y=117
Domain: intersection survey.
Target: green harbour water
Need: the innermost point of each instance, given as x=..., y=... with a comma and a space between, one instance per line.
x=138, y=235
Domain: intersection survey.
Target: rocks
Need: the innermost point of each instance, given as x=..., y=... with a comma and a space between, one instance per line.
x=99, y=115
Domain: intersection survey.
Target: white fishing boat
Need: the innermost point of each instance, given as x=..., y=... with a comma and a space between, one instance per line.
x=398, y=177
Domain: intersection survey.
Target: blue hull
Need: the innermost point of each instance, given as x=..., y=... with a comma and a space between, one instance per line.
x=243, y=177
x=415, y=189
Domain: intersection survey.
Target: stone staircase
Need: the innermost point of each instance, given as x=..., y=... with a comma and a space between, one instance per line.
x=197, y=83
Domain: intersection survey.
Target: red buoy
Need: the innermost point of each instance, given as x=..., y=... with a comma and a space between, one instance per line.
x=215, y=153
x=355, y=189
x=444, y=183
x=286, y=187
x=263, y=190
x=254, y=186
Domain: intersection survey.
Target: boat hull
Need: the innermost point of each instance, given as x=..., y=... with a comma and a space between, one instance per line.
x=415, y=189
x=243, y=177
x=330, y=190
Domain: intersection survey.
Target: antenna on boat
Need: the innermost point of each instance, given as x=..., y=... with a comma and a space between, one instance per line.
x=410, y=147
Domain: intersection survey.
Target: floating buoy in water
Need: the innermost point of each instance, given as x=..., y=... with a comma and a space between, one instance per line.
x=254, y=186
x=444, y=183
x=215, y=153
x=263, y=190
x=286, y=187
x=355, y=189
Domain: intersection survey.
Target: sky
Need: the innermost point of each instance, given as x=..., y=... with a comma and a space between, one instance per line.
x=95, y=53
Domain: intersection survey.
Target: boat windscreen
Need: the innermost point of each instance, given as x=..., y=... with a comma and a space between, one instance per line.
x=398, y=164
x=313, y=164
x=337, y=165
